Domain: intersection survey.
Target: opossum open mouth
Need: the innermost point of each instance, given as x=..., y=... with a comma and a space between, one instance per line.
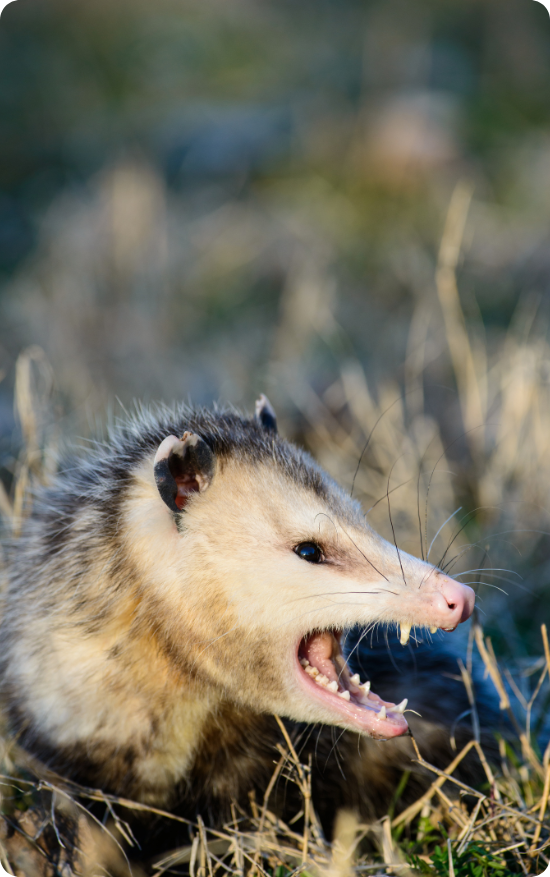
x=324, y=672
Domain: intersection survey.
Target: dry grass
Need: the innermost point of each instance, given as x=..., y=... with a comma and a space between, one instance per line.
x=504, y=828
x=451, y=829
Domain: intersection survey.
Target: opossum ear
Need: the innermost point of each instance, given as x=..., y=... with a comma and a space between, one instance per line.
x=265, y=414
x=182, y=467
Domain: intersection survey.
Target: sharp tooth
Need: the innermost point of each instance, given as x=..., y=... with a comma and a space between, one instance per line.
x=312, y=671
x=304, y=662
x=333, y=686
x=321, y=680
x=382, y=713
x=400, y=708
x=405, y=633
x=345, y=695
x=356, y=679
x=366, y=687
x=434, y=629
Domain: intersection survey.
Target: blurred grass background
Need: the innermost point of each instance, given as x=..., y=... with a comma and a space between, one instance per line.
x=205, y=200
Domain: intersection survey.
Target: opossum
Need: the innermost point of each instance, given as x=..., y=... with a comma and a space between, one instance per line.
x=177, y=587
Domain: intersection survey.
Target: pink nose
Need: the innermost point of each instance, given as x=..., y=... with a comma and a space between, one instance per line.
x=459, y=601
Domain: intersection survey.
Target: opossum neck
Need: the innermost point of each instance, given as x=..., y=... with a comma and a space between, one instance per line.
x=112, y=704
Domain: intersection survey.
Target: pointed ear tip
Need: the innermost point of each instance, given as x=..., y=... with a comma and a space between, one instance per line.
x=265, y=413
x=262, y=402
x=166, y=447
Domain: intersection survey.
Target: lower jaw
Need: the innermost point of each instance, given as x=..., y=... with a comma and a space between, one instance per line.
x=344, y=698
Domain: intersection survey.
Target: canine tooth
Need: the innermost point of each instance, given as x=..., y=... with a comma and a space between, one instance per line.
x=366, y=687
x=405, y=633
x=304, y=662
x=400, y=708
x=382, y=713
x=434, y=629
x=333, y=686
x=356, y=679
x=345, y=695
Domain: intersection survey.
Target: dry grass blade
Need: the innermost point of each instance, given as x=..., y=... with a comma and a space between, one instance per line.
x=489, y=659
x=4, y=861
x=304, y=774
x=466, y=371
x=33, y=388
x=6, y=506
x=466, y=832
x=544, y=633
x=543, y=801
x=450, y=854
x=344, y=845
x=468, y=685
x=393, y=857
x=409, y=814
x=267, y=795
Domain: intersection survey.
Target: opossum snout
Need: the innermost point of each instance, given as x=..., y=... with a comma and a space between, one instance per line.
x=455, y=601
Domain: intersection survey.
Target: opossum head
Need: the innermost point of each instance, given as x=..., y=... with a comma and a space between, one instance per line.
x=259, y=563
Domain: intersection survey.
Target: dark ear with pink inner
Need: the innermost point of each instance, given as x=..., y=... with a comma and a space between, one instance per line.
x=182, y=467
x=265, y=414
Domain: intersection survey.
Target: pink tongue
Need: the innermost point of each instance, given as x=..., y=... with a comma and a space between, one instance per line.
x=318, y=649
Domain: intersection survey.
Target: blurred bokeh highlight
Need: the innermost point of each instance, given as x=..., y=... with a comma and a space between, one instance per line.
x=345, y=205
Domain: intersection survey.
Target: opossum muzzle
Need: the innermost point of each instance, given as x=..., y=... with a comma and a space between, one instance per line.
x=323, y=670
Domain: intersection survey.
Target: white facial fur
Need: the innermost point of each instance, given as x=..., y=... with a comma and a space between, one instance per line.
x=245, y=599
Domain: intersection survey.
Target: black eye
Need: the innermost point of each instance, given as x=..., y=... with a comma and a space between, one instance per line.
x=309, y=551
